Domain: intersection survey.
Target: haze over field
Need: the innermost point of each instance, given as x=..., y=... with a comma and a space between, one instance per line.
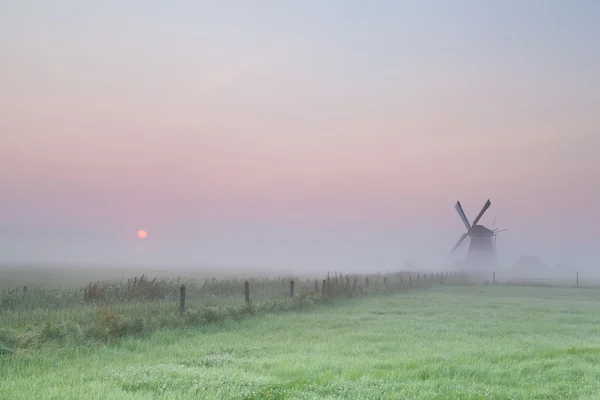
x=296, y=134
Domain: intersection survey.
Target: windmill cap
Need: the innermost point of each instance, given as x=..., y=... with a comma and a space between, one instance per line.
x=480, y=231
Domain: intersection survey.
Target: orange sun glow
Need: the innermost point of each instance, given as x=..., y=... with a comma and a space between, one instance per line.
x=142, y=234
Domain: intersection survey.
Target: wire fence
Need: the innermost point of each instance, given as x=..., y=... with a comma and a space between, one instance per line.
x=149, y=298
x=537, y=277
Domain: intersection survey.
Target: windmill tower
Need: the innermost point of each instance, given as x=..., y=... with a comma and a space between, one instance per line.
x=482, y=241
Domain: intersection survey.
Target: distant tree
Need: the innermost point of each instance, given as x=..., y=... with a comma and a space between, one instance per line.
x=528, y=263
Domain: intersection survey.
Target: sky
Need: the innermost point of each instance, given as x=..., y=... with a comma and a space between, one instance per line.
x=330, y=135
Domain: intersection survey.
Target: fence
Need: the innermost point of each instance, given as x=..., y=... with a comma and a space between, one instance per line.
x=547, y=277
x=29, y=306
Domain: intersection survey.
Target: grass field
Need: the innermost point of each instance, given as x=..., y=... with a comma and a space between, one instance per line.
x=446, y=342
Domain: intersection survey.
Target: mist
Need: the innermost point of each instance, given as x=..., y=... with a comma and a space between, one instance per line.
x=296, y=147
x=300, y=249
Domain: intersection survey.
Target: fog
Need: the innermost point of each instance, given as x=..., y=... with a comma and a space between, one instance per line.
x=295, y=137
x=257, y=250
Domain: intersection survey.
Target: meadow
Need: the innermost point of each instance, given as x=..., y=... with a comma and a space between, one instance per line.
x=433, y=342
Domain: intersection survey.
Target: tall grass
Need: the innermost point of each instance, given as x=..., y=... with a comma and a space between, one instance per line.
x=107, y=311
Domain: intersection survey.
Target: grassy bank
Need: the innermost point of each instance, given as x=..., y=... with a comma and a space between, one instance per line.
x=449, y=342
x=109, y=311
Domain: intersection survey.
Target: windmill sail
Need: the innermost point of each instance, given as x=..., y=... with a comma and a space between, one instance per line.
x=462, y=215
x=457, y=245
x=483, y=210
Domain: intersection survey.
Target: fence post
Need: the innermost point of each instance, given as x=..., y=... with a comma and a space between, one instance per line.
x=367, y=282
x=181, y=299
x=291, y=288
x=577, y=279
x=494, y=277
x=324, y=286
x=247, y=291
x=409, y=281
x=25, y=288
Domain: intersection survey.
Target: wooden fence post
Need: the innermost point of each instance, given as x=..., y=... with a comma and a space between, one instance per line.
x=494, y=277
x=324, y=286
x=25, y=288
x=291, y=288
x=182, y=299
x=247, y=292
x=367, y=282
x=409, y=281
x=577, y=279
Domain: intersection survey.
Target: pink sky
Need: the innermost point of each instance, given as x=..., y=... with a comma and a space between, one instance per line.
x=298, y=133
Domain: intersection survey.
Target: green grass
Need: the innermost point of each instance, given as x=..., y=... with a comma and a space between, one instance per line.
x=448, y=342
x=109, y=311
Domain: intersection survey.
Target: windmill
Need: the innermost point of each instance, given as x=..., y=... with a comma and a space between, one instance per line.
x=482, y=241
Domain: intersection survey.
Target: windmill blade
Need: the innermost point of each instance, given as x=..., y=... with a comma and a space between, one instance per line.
x=457, y=245
x=485, y=207
x=500, y=230
x=462, y=215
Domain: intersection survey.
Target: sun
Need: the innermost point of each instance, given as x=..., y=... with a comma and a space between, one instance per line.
x=142, y=234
